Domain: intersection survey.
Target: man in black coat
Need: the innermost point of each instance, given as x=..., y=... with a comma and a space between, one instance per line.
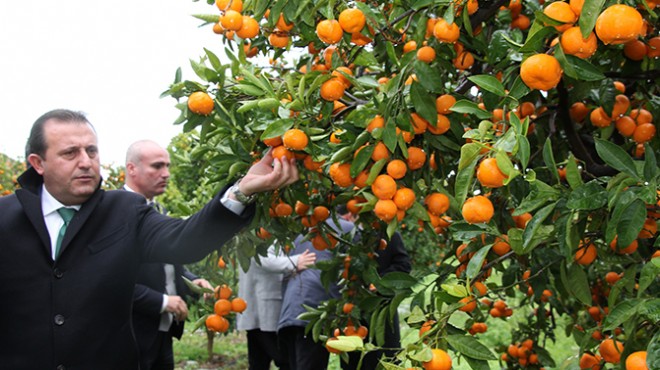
x=159, y=306
x=69, y=307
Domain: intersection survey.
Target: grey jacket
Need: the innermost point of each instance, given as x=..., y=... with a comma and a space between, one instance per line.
x=261, y=288
x=306, y=287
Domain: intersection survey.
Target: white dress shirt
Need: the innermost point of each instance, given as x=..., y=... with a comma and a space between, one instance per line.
x=53, y=220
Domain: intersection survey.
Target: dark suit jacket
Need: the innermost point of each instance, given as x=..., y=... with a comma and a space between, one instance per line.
x=148, y=301
x=76, y=312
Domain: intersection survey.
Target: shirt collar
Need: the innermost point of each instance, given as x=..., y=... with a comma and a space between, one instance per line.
x=128, y=188
x=49, y=204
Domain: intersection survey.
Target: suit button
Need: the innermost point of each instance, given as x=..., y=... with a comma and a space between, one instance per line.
x=59, y=320
x=60, y=367
x=58, y=273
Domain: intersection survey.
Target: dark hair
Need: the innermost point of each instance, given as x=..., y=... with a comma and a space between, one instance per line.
x=37, y=141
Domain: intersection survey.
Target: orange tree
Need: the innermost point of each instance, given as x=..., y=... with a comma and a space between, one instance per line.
x=518, y=138
x=10, y=169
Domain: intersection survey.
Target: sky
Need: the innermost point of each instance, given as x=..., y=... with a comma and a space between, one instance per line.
x=109, y=59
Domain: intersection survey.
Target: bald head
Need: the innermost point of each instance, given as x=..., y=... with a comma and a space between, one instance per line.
x=147, y=168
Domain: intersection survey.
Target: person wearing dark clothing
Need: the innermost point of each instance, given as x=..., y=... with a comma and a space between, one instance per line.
x=305, y=288
x=159, y=299
x=71, y=252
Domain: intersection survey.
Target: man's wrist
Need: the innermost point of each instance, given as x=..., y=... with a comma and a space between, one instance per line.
x=236, y=193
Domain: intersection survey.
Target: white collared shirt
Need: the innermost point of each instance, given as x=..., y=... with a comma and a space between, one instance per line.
x=53, y=220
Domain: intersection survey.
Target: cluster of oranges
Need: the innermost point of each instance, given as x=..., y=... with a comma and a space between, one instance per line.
x=523, y=353
x=349, y=331
x=223, y=306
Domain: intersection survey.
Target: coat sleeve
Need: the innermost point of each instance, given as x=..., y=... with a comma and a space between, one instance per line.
x=278, y=263
x=396, y=258
x=147, y=300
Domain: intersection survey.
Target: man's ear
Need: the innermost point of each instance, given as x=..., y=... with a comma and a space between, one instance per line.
x=130, y=167
x=36, y=162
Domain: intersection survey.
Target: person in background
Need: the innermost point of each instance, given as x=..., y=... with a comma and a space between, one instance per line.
x=261, y=288
x=71, y=252
x=305, y=288
x=159, y=306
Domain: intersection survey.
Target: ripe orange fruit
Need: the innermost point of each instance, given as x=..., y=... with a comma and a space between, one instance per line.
x=626, y=126
x=469, y=304
x=329, y=31
x=501, y=245
x=201, y=103
x=611, y=350
x=599, y=118
x=249, y=28
x=384, y=187
x=352, y=20
x=426, y=54
x=641, y=115
x=322, y=243
x=589, y=361
x=238, y=305
x=541, y=72
x=283, y=25
x=521, y=22
x=437, y=203
x=321, y=213
x=231, y=20
x=445, y=32
x=644, y=132
x=217, y=28
x=479, y=288
x=396, y=168
x=347, y=308
x=653, y=50
x=621, y=105
x=637, y=361
x=340, y=173
x=376, y=122
x=612, y=277
x=222, y=307
x=419, y=124
x=463, y=61
x=576, y=6
x=339, y=74
x=572, y=43
x=416, y=158
x=221, y=263
x=279, y=39
x=359, y=39
x=332, y=89
x=585, y=255
x=620, y=87
x=217, y=323
x=649, y=229
x=489, y=174
x=440, y=126
x=282, y=153
x=223, y=292
x=619, y=24
x=236, y=5
x=578, y=111
x=426, y=326
x=623, y=250
x=439, y=361
x=380, y=152
x=635, y=50
x=283, y=210
x=444, y=103
x=385, y=210
x=404, y=198
x=478, y=209
x=295, y=139
x=561, y=11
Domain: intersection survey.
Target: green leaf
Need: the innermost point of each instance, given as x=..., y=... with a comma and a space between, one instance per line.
x=573, y=176
x=575, y=280
x=523, y=151
x=649, y=273
x=469, y=107
x=549, y=159
x=615, y=157
x=529, y=234
x=470, y=347
x=631, y=222
x=477, y=364
x=536, y=39
x=590, y=12
x=463, y=183
x=476, y=262
x=428, y=77
x=620, y=313
x=518, y=89
x=424, y=103
x=589, y=196
x=651, y=169
x=540, y=194
x=653, y=352
x=277, y=128
x=398, y=280
x=489, y=83
x=469, y=155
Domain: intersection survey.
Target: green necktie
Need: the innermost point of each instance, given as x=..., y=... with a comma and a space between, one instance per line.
x=67, y=215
